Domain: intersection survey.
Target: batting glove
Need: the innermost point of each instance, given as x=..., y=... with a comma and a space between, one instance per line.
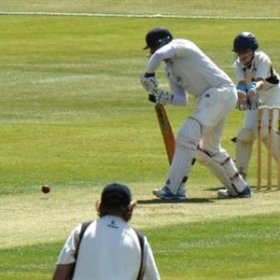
x=150, y=84
x=152, y=98
x=163, y=97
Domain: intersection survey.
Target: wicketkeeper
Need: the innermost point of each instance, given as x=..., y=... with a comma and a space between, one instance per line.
x=258, y=83
x=190, y=71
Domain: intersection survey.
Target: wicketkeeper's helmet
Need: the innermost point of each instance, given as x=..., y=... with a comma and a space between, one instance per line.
x=158, y=37
x=245, y=41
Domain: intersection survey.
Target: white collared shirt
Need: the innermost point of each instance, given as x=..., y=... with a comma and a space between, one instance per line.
x=109, y=250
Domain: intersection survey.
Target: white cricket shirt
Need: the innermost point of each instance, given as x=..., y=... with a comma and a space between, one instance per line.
x=109, y=250
x=260, y=67
x=188, y=69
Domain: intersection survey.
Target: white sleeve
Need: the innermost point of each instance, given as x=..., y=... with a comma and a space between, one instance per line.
x=161, y=54
x=179, y=95
x=150, y=267
x=67, y=254
x=263, y=67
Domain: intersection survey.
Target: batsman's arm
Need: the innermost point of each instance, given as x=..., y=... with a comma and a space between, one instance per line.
x=166, y=131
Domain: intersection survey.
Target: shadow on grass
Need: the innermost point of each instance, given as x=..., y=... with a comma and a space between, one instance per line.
x=189, y=200
x=254, y=188
x=214, y=189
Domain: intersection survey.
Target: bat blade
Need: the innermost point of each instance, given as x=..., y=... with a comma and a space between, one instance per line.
x=166, y=131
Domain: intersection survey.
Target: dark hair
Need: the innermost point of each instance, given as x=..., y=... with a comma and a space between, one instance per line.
x=124, y=212
x=116, y=200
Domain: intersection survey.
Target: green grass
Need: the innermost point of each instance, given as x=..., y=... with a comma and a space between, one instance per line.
x=63, y=84
x=245, y=248
x=235, y=249
x=262, y=8
x=73, y=115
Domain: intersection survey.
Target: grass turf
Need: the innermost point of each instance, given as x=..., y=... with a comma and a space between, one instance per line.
x=72, y=114
x=246, y=248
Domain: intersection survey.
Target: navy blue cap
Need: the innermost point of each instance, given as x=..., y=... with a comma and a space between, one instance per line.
x=116, y=195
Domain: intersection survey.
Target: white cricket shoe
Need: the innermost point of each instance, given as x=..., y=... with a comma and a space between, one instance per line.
x=223, y=193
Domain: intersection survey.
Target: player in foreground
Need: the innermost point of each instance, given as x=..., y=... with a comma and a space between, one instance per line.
x=110, y=248
x=190, y=71
x=258, y=83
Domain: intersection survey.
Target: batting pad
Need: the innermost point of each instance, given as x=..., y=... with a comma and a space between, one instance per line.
x=238, y=184
x=214, y=167
x=243, y=150
x=226, y=171
x=185, y=154
x=180, y=167
x=275, y=137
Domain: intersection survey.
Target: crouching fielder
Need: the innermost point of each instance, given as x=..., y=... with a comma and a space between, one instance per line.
x=190, y=71
x=258, y=83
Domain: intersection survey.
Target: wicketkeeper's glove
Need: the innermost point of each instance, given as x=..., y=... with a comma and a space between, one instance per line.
x=252, y=96
x=242, y=98
x=248, y=97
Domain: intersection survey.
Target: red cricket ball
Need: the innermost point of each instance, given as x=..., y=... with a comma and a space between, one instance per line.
x=46, y=189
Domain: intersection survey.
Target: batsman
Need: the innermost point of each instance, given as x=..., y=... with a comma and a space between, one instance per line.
x=190, y=71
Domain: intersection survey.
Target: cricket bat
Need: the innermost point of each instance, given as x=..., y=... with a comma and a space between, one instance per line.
x=166, y=131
